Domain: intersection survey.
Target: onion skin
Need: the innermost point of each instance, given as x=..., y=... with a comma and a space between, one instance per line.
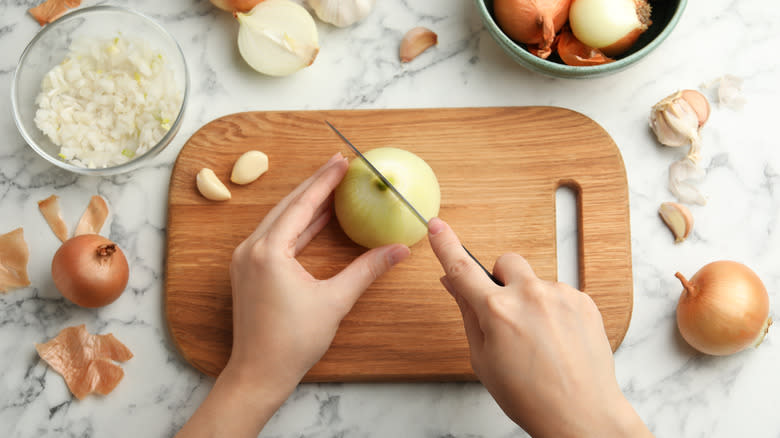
x=90, y=270
x=573, y=52
x=723, y=309
x=532, y=22
x=235, y=5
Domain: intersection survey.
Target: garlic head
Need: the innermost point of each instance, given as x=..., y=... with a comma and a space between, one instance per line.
x=341, y=13
x=277, y=37
x=674, y=121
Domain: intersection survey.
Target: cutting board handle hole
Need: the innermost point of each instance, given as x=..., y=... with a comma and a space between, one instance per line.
x=567, y=234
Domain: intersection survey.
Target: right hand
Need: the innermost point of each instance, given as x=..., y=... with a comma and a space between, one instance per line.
x=539, y=348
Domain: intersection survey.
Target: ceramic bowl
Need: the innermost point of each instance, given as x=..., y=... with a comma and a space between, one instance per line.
x=665, y=16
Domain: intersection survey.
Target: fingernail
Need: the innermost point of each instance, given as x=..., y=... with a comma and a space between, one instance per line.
x=435, y=226
x=398, y=254
x=334, y=158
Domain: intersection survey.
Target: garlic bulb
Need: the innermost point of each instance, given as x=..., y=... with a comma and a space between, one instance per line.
x=277, y=37
x=341, y=13
x=676, y=119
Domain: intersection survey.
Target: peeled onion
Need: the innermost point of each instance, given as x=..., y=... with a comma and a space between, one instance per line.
x=90, y=270
x=235, y=5
x=611, y=26
x=723, y=309
x=532, y=22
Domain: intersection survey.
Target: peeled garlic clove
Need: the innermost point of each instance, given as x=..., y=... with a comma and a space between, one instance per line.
x=417, y=41
x=674, y=121
x=341, y=13
x=210, y=186
x=678, y=218
x=277, y=37
x=249, y=167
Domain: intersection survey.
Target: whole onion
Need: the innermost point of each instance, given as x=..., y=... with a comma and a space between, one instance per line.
x=533, y=22
x=723, y=309
x=90, y=270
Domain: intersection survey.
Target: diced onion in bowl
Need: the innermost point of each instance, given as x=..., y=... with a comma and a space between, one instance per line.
x=108, y=102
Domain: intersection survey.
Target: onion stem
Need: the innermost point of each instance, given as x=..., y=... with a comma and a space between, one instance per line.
x=106, y=250
x=686, y=284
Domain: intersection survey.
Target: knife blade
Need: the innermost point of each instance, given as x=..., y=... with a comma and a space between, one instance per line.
x=401, y=197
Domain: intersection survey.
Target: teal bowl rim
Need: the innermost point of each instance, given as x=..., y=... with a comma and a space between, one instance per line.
x=525, y=58
x=124, y=167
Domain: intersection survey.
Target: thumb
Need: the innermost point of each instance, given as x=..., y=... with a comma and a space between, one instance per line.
x=364, y=270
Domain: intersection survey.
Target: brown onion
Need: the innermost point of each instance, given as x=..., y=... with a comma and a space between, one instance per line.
x=532, y=22
x=90, y=270
x=723, y=309
x=235, y=5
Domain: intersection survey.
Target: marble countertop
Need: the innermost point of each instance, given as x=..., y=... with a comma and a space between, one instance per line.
x=677, y=392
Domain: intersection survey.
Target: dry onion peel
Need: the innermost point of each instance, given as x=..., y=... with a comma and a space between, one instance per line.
x=51, y=10
x=723, y=309
x=415, y=42
x=52, y=213
x=532, y=22
x=574, y=52
x=93, y=218
x=85, y=361
x=14, y=255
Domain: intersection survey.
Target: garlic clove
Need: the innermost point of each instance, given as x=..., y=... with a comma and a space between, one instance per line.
x=678, y=218
x=341, y=13
x=699, y=103
x=674, y=121
x=210, y=186
x=249, y=167
x=417, y=41
x=277, y=37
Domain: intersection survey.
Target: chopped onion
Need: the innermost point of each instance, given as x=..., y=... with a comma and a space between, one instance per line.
x=107, y=102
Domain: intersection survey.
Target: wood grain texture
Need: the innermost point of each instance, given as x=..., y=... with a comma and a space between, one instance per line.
x=498, y=168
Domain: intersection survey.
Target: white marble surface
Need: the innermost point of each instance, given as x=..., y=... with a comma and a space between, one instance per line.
x=676, y=391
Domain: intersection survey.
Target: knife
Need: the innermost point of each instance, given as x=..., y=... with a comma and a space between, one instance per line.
x=402, y=198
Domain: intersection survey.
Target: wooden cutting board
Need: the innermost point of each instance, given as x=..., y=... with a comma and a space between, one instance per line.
x=498, y=168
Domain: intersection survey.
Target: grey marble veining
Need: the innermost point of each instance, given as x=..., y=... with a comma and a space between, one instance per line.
x=678, y=392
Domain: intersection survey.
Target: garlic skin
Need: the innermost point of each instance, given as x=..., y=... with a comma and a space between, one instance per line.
x=682, y=174
x=341, y=13
x=277, y=37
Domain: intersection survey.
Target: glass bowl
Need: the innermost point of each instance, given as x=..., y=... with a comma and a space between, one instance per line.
x=665, y=16
x=50, y=46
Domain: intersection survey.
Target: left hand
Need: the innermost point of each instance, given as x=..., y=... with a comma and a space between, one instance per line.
x=284, y=319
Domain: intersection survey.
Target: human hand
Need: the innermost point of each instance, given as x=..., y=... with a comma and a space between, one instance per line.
x=284, y=319
x=538, y=347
